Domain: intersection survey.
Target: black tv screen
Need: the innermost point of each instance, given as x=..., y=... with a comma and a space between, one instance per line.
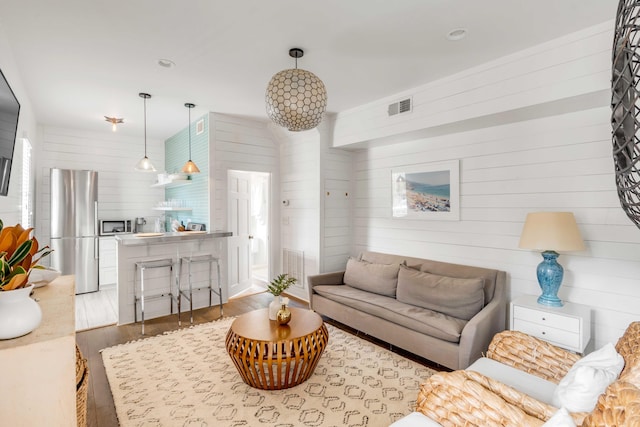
x=9, y=113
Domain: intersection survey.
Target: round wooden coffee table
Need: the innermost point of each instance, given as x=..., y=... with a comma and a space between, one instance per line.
x=273, y=357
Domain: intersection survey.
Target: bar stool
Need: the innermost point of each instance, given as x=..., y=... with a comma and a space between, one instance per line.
x=189, y=261
x=149, y=264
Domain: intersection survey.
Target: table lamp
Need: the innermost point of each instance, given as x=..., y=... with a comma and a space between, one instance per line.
x=550, y=232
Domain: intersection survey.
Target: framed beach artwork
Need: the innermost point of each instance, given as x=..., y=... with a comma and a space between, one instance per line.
x=426, y=191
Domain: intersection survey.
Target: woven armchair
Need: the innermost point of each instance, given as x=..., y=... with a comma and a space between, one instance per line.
x=468, y=398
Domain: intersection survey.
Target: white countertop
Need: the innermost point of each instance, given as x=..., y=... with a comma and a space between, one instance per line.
x=152, y=238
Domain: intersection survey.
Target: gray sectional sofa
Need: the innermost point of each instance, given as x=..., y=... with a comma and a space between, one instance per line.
x=446, y=313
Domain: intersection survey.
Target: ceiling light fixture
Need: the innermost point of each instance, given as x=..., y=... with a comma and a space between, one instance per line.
x=457, y=34
x=145, y=164
x=190, y=167
x=296, y=98
x=114, y=121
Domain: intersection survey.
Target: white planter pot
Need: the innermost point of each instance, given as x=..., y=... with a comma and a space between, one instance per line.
x=19, y=314
x=274, y=306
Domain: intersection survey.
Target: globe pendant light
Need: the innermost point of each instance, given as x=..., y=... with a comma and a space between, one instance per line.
x=190, y=167
x=145, y=164
x=296, y=98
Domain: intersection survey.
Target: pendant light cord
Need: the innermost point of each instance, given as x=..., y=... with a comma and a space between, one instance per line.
x=189, y=133
x=145, y=126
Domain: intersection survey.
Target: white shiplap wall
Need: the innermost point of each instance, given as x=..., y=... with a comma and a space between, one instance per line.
x=555, y=161
x=300, y=187
x=245, y=145
x=561, y=69
x=123, y=192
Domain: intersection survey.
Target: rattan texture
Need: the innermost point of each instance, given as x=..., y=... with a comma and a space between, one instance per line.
x=629, y=347
x=619, y=406
x=82, y=388
x=531, y=355
x=624, y=107
x=277, y=365
x=453, y=399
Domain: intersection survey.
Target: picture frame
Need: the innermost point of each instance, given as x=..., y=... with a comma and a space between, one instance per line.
x=426, y=191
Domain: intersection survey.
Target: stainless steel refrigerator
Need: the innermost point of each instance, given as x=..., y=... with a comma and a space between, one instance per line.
x=74, y=226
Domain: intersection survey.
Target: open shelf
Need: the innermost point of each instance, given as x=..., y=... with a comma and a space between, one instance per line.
x=173, y=183
x=171, y=209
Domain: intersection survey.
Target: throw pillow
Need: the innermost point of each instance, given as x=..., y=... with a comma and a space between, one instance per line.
x=380, y=279
x=459, y=298
x=587, y=379
x=560, y=419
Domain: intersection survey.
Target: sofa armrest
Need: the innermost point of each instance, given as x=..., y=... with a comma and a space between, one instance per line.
x=479, y=331
x=333, y=278
x=532, y=355
x=619, y=405
x=454, y=399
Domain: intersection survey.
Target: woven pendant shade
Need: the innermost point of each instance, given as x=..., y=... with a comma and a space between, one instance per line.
x=625, y=84
x=296, y=98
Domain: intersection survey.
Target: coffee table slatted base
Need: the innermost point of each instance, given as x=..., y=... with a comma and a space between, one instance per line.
x=277, y=365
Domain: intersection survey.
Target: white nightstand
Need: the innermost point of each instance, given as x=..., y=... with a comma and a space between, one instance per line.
x=568, y=326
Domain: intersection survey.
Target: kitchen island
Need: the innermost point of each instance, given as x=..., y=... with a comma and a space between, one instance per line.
x=132, y=248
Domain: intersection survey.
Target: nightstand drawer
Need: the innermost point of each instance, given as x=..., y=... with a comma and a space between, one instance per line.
x=560, y=337
x=546, y=319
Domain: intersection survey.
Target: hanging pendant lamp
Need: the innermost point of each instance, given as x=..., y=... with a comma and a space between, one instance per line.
x=145, y=164
x=296, y=98
x=190, y=167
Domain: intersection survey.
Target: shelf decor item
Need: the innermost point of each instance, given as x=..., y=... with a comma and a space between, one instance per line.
x=277, y=286
x=19, y=256
x=284, y=314
x=550, y=232
x=296, y=99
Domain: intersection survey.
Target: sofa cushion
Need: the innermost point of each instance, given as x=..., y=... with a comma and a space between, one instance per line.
x=381, y=279
x=587, y=379
x=529, y=384
x=419, y=319
x=459, y=298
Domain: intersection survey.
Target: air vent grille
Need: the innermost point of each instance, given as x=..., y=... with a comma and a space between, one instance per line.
x=401, y=107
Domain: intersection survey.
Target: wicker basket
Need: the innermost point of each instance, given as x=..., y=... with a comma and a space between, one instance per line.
x=82, y=387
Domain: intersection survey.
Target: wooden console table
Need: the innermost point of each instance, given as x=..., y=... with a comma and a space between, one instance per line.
x=273, y=357
x=39, y=369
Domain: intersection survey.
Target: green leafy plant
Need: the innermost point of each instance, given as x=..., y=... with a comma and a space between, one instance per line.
x=280, y=284
x=19, y=254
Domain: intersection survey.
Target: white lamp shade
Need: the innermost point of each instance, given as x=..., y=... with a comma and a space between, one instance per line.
x=145, y=165
x=551, y=231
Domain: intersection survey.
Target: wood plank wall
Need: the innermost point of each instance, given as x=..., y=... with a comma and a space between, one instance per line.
x=555, y=161
x=123, y=192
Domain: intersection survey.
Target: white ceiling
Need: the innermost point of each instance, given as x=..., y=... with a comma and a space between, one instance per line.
x=83, y=59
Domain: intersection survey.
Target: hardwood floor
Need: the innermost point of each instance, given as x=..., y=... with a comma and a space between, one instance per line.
x=101, y=411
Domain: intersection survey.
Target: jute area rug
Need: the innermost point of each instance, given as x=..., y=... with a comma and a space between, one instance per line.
x=186, y=378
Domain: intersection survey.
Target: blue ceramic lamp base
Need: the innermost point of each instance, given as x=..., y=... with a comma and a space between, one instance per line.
x=550, y=275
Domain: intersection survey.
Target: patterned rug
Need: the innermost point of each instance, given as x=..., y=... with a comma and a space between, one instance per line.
x=186, y=378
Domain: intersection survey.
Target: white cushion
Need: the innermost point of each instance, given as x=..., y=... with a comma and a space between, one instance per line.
x=587, y=379
x=416, y=419
x=560, y=419
x=531, y=385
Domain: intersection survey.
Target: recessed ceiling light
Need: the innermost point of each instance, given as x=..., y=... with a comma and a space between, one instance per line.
x=457, y=34
x=166, y=63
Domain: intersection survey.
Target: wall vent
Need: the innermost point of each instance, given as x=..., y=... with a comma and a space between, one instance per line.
x=293, y=265
x=400, y=107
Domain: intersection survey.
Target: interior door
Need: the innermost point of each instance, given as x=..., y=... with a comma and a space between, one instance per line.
x=239, y=211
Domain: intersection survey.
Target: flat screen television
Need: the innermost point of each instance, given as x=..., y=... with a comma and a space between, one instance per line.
x=9, y=113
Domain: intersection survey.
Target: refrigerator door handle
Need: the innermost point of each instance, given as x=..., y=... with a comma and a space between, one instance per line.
x=96, y=248
x=95, y=218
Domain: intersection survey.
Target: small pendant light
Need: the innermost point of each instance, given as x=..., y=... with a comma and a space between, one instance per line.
x=190, y=167
x=145, y=164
